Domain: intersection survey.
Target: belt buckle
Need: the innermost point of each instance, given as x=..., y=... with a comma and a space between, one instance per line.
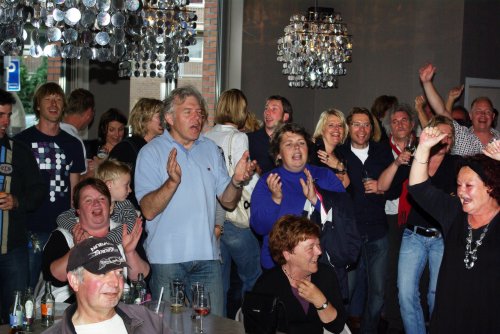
x=433, y=231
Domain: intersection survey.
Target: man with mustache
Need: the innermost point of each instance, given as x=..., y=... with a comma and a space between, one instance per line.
x=179, y=177
x=95, y=272
x=278, y=110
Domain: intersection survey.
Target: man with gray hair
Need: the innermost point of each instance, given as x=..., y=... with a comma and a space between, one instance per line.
x=179, y=177
x=95, y=272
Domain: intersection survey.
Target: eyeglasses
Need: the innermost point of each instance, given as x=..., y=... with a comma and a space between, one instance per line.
x=358, y=125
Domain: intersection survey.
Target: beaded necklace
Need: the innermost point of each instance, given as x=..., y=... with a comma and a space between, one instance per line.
x=290, y=276
x=470, y=253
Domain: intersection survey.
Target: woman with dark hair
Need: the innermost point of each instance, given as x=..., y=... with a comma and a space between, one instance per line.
x=467, y=293
x=289, y=188
x=111, y=131
x=308, y=289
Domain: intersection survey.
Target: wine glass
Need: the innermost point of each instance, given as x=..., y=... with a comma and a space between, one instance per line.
x=195, y=287
x=201, y=305
x=410, y=144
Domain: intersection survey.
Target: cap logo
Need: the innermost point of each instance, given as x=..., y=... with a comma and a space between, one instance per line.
x=110, y=260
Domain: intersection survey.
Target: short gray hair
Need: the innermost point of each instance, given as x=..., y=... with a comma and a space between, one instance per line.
x=181, y=94
x=78, y=273
x=402, y=107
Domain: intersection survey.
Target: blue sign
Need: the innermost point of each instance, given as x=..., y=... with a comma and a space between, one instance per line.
x=12, y=74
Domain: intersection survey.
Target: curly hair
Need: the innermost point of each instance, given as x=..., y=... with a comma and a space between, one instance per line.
x=487, y=170
x=287, y=232
x=323, y=118
x=274, y=147
x=403, y=107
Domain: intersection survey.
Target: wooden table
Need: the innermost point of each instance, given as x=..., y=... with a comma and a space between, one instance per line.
x=179, y=323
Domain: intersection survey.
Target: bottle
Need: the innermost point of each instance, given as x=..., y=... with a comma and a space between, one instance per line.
x=47, y=306
x=16, y=314
x=140, y=289
x=29, y=310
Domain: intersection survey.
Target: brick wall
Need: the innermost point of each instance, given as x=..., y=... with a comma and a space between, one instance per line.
x=210, y=56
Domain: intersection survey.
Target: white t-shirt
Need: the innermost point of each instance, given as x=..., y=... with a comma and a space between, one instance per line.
x=114, y=325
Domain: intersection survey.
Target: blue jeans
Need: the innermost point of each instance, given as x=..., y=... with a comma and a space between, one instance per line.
x=415, y=251
x=374, y=255
x=13, y=276
x=207, y=272
x=240, y=245
x=35, y=259
x=357, y=290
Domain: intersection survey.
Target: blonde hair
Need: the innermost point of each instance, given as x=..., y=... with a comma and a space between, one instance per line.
x=142, y=113
x=232, y=108
x=111, y=170
x=318, y=132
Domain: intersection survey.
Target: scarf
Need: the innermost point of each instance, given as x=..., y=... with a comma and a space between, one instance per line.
x=404, y=206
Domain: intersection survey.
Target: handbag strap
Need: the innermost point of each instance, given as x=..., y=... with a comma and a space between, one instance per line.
x=230, y=153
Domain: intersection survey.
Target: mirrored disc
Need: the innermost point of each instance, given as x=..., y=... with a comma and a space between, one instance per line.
x=119, y=35
x=36, y=51
x=119, y=50
x=118, y=19
x=102, y=38
x=70, y=35
x=87, y=53
x=88, y=18
x=89, y=3
x=103, y=19
x=86, y=37
x=58, y=2
x=73, y=15
x=52, y=50
x=118, y=4
x=103, y=5
x=58, y=15
x=103, y=54
x=132, y=5
x=53, y=34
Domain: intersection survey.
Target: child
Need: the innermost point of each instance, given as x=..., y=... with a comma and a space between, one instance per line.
x=116, y=175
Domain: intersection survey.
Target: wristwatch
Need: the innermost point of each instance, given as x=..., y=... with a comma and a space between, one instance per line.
x=322, y=307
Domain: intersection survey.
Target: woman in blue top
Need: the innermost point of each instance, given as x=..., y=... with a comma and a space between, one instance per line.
x=288, y=188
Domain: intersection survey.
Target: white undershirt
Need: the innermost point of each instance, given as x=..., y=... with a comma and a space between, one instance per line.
x=114, y=325
x=361, y=153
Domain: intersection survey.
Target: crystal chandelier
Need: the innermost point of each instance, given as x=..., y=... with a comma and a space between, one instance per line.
x=315, y=48
x=146, y=38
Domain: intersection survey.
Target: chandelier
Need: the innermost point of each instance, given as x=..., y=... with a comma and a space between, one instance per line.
x=314, y=49
x=147, y=38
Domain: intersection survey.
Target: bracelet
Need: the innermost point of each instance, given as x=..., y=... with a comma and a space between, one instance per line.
x=421, y=162
x=221, y=228
x=237, y=186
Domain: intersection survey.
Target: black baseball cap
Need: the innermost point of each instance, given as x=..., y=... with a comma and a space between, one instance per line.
x=96, y=255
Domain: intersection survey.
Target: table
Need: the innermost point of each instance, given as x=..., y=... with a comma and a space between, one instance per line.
x=179, y=323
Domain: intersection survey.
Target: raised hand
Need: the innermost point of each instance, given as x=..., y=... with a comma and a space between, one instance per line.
x=455, y=92
x=244, y=169
x=426, y=72
x=419, y=103
x=493, y=150
x=274, y=184
x=130, y=240
x=430, y=136
x=173, y=169
x=79, y=234
x=310, y=292
x=308, y=187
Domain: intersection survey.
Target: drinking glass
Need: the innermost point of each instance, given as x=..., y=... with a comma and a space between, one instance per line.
x=365, y=176
x=201, y=305
x=410, y=145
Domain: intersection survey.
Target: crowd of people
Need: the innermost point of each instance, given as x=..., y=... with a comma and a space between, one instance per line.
x=418, y=188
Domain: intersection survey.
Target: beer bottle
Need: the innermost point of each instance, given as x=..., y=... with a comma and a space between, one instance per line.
x=47, y=306
x=29, y=310
x=16, y=314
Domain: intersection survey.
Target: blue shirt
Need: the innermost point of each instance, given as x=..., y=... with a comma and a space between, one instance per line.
x=184, y=231
x=264, y=211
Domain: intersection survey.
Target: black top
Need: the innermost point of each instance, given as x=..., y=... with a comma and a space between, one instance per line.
x=258, y=146
x=313, y=155
x=467, y=300
x=274, y=282
x=126, y=151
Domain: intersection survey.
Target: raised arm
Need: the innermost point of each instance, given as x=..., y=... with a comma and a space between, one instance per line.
x=419, y=107
x=426, y=73
x=419, y=169
x=453, y=95
x=157, y=200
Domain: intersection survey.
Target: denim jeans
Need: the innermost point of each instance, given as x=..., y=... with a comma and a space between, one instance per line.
x=35, y=259
x=374, y=255
x=240, y=245
x=13, y=276
x=207, y=272
x=357, y=290
x=415, y=251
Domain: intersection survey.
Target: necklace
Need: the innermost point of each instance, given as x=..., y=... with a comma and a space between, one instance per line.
x=290, y=276
x=470, y=253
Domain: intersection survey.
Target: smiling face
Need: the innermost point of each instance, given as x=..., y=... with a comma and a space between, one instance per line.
x=186, y=121
x=115, y=133
x=360, y=130
x=482, y=115
x=401, y=125
x=274, y=115
x=51, y=108
x=99, y=293
x=304, y=257
x=333, y=131
x=473, y=193
x=93, y=212
x=293, y=152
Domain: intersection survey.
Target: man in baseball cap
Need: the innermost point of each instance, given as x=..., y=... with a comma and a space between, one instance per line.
x=95, y=273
